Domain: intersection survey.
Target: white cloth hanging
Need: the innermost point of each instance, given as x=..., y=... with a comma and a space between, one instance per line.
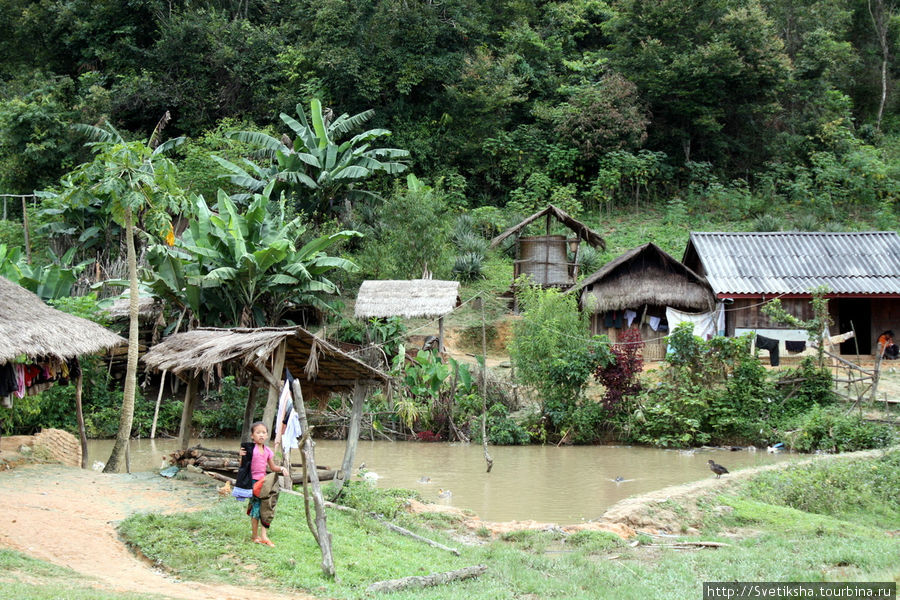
x=705, y=324
x=630, y=316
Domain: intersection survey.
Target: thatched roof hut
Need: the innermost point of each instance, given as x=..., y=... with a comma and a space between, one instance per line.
x=30, y=327
x=322, y=367
x=636, y=288
x=319, y=367
x=545, y=259
x=410, y=299
x=645, y=275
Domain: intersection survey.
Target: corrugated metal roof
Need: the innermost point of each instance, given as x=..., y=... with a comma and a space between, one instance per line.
x=794, y=263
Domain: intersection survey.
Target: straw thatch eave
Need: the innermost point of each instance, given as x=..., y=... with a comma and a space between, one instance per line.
x=644, y=275
x=321, y=366
x=581, y=230
x=653, y=287
x=410, y=299
x=30, y=327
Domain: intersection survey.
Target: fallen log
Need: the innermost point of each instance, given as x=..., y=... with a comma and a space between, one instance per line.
x=688, y=545
x=296, y=479
x=418, y=581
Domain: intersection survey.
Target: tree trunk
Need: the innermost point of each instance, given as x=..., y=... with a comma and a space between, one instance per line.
x=359, y=399
x=127, y=415
x=321, y=533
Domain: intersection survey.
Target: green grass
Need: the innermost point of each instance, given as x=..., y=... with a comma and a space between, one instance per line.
x=26, y=578
x=767, y=542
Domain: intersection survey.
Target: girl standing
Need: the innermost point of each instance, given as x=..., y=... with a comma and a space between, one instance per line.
x=262, y=457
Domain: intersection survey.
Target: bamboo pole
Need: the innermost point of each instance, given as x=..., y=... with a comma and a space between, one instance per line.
x=484, y=444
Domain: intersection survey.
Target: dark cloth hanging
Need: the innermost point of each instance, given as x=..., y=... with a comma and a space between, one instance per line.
x=608, y=319
x=618, y=319
x=795, y=346
x=771, y=345
x=8, y=383
x=243, y=475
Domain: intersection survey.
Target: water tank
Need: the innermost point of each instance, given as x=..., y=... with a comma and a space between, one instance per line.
x=544, y=259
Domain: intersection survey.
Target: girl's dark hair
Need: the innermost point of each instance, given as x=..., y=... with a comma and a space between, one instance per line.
x=256, y=424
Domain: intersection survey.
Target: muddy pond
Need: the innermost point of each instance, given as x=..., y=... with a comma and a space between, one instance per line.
x=564, y=485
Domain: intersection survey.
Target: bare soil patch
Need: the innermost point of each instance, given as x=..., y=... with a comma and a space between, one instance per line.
x=67, y=516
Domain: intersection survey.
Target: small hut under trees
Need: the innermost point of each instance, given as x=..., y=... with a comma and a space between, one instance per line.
x=635, y=289
x=318, y=367
x=545, y=258
x=39, y=334
x=410, y=299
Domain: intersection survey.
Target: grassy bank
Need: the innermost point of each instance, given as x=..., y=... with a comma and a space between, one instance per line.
x=825, y=521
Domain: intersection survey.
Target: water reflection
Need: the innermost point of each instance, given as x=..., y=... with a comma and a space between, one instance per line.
x=544, y=483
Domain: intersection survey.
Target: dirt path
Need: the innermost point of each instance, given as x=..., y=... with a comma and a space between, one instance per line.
x=67, y=516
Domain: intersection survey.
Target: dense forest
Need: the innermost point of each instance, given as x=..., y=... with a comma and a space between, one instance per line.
x=586, y=103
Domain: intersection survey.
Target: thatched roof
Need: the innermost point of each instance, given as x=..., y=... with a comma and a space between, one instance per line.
x=581, y=230
x=645, y=275
x=319, y=365
x=148, y=307
x=413, y=298
x=30, y=327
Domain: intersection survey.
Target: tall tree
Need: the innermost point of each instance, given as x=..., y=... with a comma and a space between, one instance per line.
x=137, y=184
x=710, y=69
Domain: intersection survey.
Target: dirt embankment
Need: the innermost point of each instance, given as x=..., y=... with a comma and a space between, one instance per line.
x=67, y=516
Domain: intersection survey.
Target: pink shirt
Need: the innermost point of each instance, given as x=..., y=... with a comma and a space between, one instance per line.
x=259, y=460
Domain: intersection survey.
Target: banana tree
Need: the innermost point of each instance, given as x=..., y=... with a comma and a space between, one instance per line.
x=317, y=170
x=244, y=268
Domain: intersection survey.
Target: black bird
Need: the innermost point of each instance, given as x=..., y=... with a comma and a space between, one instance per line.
x=717, y=469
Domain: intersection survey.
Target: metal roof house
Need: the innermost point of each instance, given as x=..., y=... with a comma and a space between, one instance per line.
x=861, y=270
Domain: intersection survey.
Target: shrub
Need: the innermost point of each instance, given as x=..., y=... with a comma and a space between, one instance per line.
x=620, y=376
x=467, y=267
x=221, y=412
x=830, y=430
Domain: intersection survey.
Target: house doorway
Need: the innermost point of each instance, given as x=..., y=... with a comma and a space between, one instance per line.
x=855, y=314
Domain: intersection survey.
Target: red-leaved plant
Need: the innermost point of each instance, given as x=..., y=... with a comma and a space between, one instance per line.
x=620, y=376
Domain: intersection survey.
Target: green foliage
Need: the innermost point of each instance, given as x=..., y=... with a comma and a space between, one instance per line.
x=553, y=352
x=221, y=410
x=318, y=170
x=830, y=430
x=863, y=490
x=407, y=234
x=244, y=268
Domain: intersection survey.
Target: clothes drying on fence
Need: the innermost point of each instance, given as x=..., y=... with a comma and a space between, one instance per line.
x=771, y=345
x=794, y=347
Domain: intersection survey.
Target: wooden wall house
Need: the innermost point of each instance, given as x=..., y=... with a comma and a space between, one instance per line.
x=640, y=284
x=860, y=269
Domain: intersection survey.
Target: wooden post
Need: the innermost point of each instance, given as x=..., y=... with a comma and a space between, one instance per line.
x=321, y=534
x=162, y=385
x=187, y=414
x=359, y=399
x=79, y=415
x=484, y=443
x=441, y=333
x=274, y=393
x=25, y=227
x=248, y=413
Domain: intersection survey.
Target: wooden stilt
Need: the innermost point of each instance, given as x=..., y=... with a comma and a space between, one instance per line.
x=79, y=415
x=248, y=413
x=274, y=393
x=359, y=399
x=187, y=414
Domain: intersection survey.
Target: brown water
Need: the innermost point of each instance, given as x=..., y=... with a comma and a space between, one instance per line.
x=563, y=485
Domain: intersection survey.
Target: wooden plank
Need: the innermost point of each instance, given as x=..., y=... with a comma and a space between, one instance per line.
x=418, y=581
